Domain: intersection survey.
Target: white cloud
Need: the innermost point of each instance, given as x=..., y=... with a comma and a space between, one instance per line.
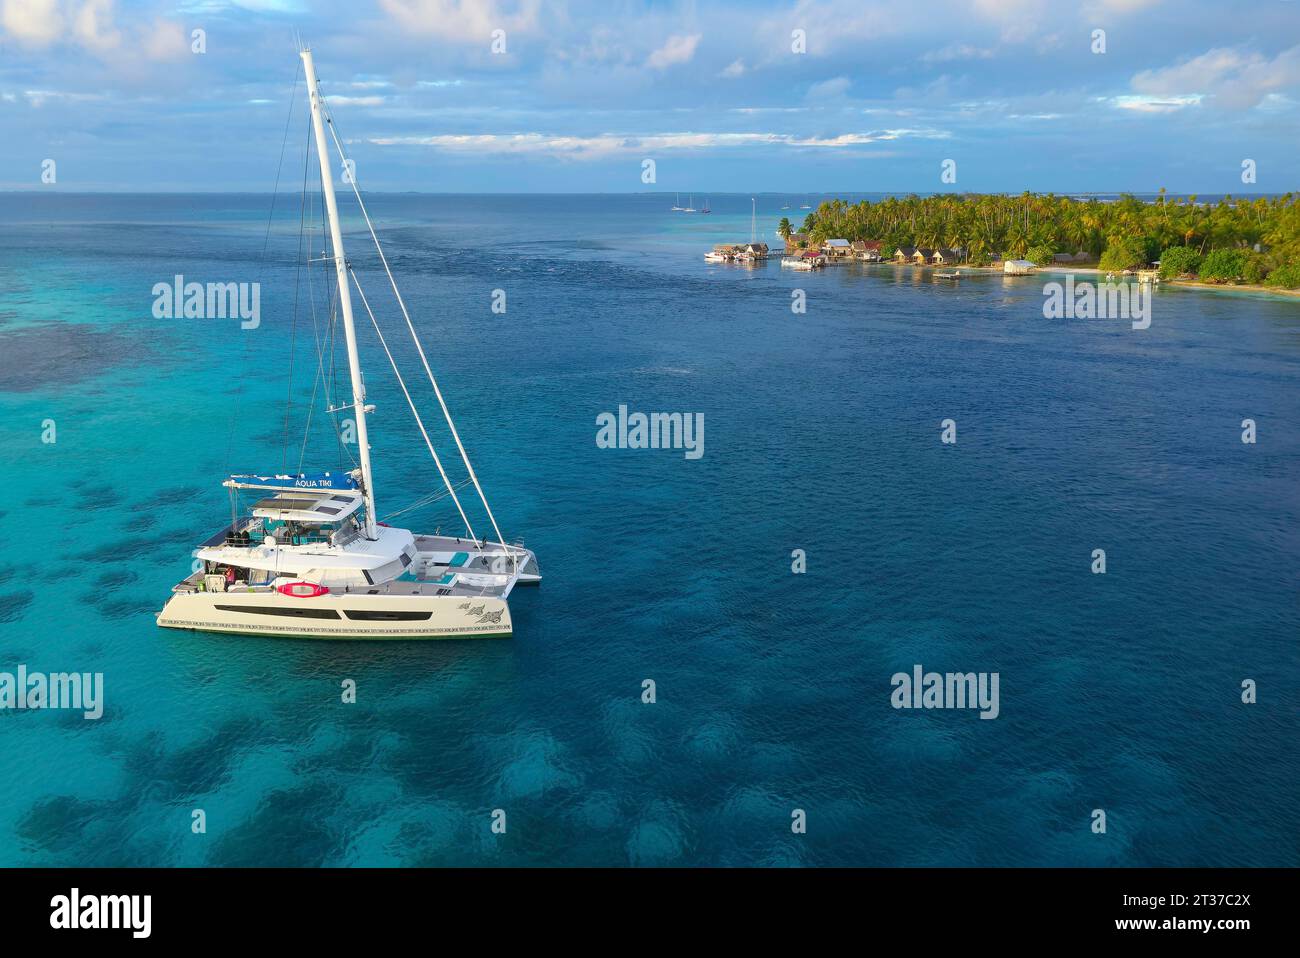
x=959, y=51
x=270, y=6
x=734, y=69
x=828, y=27
x=464, y=21
x=93, y=27
x=1226, y=76
x=38, y=98
x=829, y=89
x=1019, y=20
x=611, y=144
x=32, y=22
x=1153, y=104
x=164, y=40
x=678, y=49
x=357, y=100
x=1104, y=7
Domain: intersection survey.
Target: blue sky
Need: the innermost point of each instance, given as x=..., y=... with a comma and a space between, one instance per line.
x=714, y=93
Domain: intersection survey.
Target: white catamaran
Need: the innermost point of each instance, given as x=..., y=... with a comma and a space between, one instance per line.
x=310, y=559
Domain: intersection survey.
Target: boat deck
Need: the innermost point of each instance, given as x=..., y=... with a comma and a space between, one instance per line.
x=442, y=566
x=396, y=587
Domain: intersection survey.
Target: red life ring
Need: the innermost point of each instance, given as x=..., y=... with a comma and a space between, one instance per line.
x=302, y=590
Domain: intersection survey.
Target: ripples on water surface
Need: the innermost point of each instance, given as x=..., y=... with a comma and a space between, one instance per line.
x=822, y=433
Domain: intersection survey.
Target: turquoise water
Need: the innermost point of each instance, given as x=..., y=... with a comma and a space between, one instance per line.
x=1118, y=691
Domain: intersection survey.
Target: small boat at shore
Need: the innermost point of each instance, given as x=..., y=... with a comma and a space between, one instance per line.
x=951, y=275
x=807, y=260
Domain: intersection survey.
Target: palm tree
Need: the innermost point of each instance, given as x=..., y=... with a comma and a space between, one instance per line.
x=784, y=229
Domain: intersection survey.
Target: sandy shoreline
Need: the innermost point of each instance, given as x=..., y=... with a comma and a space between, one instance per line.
x=1252, y=288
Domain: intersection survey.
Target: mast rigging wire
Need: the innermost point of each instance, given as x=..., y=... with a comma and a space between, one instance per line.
x=418, y=421
x=243, y=359
x=352, y=180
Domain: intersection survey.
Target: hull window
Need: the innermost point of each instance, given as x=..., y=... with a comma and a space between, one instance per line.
x=371, y=616
x=274, y=610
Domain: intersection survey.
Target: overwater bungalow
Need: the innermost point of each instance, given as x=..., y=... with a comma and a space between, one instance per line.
x=922, y=255
x=947, y=257
x=1018, y=267
x=904, y=254
x=837, y=249
x=796, y=241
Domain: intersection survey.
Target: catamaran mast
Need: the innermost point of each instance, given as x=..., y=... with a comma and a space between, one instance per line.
x=345, y=298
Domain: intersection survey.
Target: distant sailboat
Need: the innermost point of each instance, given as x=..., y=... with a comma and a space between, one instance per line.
x=806, y=206
x=691, y=207
x=677, y=206
x=705, y=208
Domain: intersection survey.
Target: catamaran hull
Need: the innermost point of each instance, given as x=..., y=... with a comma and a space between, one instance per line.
x=338, y=616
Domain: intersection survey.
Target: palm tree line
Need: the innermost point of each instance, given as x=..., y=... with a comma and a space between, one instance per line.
x=988, y=226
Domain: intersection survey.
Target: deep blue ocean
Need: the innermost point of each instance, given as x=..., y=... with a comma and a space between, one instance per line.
x=1120, y=692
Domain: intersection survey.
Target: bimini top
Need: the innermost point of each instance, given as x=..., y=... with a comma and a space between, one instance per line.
x=342, y=482
x=307, y=507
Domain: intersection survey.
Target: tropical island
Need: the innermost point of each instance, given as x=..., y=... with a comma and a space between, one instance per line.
x=1235, y=240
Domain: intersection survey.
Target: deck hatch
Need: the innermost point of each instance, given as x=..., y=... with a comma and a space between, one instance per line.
x=285, y=503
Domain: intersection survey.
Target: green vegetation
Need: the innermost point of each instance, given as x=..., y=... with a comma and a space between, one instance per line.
x=1041, y=255
x=1123, y=234
x=1222, y=265
x=1179, y=261
x=1287, y=277
x=1123, y=252
x=1255, y=268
